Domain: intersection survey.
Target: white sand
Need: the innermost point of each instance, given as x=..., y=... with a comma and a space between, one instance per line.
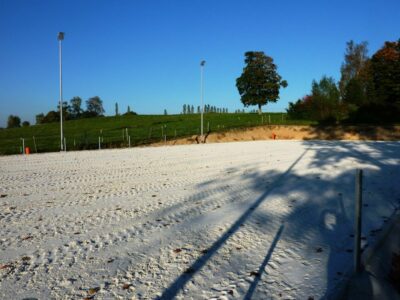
x=276, y=218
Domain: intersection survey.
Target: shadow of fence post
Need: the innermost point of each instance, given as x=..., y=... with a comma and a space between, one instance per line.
x=258, y=275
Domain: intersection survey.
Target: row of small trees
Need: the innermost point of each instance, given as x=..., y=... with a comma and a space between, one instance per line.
x=15, y=122
x=368, y=90
x=73, y=110
x=189, y=109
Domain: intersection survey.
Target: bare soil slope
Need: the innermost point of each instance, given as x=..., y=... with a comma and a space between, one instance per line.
x=290, y=132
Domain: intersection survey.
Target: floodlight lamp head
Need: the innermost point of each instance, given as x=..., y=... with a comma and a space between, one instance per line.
x=60, y=36
x=203, y=62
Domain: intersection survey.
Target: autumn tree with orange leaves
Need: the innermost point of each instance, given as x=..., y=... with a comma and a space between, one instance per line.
x=385, y=69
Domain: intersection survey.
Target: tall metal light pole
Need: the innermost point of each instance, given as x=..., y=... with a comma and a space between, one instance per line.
x=203, y=62
x=60, y=38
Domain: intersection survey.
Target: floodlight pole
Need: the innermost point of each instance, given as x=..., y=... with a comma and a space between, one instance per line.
x=60, y=38
x=203, y=62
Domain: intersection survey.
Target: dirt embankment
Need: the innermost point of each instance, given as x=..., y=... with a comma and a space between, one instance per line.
x=292, y=132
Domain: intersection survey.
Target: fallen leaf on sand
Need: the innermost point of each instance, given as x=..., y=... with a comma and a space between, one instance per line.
x=177, y=250
x=5, y=266
x=28, y=237
x=93, y=291
x=126, y=286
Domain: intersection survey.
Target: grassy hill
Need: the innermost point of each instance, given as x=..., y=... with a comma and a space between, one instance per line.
x=142, y=129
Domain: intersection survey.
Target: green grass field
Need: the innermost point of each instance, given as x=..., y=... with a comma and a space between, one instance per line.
x=142, y=129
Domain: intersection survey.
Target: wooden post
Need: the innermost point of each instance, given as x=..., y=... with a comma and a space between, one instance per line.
x=357, y=221
x=23, y=146
x=99, y=143
x=34, y=143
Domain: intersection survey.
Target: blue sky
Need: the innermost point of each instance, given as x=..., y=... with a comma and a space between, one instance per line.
x=146, y=54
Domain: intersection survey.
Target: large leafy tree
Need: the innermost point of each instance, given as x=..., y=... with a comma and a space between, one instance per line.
x=39, y=118
x=75, y=106
x=325, y=98
x=65, y=110
x=385, y=67
x=94, y=105
x=51, y=117
x=355, y=59
x=302, y=109
x=13, y=121
x=322, y=105
x=260, y=81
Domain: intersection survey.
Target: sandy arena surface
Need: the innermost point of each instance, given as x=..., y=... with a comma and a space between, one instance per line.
x=260, y=220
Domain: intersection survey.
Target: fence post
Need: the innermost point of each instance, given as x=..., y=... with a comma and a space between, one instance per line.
x=99, y=143
x=34, y=143
x=129, y=139
x=23, y=146
x=357, y=221
x=65, y=144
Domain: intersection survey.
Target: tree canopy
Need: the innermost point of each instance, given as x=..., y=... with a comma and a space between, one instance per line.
x=355, y=58
x=94, y=105
x=259, y=82
x=322, y=105
x=385, y=67
x=13, y=121
x=75, y=106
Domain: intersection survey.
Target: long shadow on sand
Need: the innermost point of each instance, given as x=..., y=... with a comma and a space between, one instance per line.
x=253, y=285
x=331, y=219
x=180, y=282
